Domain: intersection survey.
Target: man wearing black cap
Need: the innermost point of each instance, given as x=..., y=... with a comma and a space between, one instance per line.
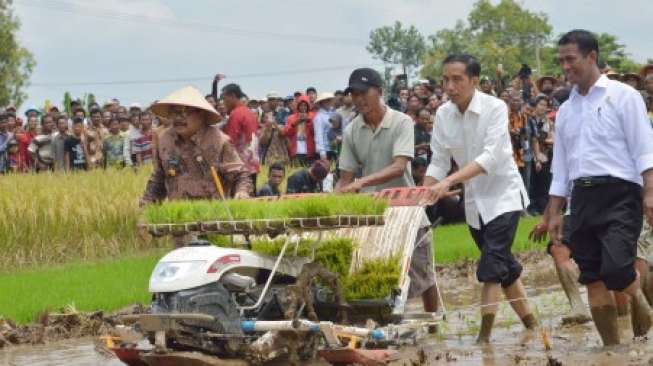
x=381, y=142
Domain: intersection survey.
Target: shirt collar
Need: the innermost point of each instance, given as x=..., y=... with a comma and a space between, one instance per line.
x=602, y=83
x=475, y=103
x=385, y=121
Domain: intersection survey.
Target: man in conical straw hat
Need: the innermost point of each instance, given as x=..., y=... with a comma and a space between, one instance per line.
x=188, y=150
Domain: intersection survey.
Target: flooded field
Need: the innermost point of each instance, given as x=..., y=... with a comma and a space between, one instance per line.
x=455, y=343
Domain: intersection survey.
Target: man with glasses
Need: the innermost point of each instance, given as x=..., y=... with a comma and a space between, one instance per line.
x=186, y=152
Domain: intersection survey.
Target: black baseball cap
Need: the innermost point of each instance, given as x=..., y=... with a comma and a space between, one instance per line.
x=363, y=79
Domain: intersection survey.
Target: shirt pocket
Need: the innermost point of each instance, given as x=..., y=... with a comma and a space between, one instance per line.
x=606, y=127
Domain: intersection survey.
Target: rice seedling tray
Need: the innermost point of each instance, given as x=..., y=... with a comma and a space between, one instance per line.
x=266, y=226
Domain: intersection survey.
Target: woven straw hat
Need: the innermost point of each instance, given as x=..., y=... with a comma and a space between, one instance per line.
x=324, y=96
x=188, y=97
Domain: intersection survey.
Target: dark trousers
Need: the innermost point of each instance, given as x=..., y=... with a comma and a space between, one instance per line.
x=606, y=221
x=494, y=240
x=540, y=189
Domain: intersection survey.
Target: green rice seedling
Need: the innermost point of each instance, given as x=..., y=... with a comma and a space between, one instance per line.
x=376, y=279
x=305, y=207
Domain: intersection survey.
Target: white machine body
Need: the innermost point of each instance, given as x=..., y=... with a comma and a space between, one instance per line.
x=195, y=266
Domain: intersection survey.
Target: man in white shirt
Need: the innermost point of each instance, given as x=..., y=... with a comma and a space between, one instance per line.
x=603, y=149
x=321, y=126
x=472, y=128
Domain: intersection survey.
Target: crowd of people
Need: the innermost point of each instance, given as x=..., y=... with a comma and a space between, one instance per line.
x=303, y=130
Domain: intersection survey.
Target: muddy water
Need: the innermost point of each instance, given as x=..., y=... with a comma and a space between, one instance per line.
x=78, y=352
x=511, y=345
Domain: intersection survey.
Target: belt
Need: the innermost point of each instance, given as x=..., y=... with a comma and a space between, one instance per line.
x=586, y=182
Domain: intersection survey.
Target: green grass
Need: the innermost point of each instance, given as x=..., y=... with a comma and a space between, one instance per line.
x=106, y=285
x=453, y=243
x=113, y=284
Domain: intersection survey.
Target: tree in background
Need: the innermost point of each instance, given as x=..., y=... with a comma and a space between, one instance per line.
x=614, y=54
x=395, y=45
x=16, y=62
x=67, y=100
x=509, y=35
x=502, y=36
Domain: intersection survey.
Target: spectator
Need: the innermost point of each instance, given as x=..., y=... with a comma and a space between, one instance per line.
x=335, y=133
x=347, y=111
x=633, y=80
x=11, y=122
x=95, y=134
x=517, y=123
x=106, y=118
x=321, y=126
x=15, y=161
x=115, y=147
x=647, y=92
x=25, y=138
x=486, y=86
x=5, y=137
x=546, y=85
x=434, y=103
x=423, y=129
x=272, y=141
x=275, y=103
x=58, y=143
x=276, y=173
x=413, y=107
x=311, y=92
x=419, y=165
x=40, y=148
x=75, y=148
x=241, y=127
x=299, y=131
x=143, y=145
x=338, y=100
x=545, y=132
x=308, y=180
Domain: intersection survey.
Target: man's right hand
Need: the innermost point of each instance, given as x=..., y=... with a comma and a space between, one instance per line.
x=554, y=226
x=539, y=232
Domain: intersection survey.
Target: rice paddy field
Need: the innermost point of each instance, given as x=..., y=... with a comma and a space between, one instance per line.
x=72, y=239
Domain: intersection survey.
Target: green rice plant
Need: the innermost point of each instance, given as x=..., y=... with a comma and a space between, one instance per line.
x=334, y=254
x=305, y=207
x=375, y=279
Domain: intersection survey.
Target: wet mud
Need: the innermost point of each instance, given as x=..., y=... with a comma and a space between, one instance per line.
x=568, y=344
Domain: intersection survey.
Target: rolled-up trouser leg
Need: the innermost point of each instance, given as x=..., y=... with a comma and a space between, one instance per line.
x=422, y=276
x=494, y=240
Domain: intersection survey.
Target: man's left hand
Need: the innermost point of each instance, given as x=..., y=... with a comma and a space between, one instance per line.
x=352, y=187
x=648, y=204
x=435, y=192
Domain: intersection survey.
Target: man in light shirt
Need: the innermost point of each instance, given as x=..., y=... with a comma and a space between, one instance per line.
x=380, y=143
x=603, y=149
x=472, y=128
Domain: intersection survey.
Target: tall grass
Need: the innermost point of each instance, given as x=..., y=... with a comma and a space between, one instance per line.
x=54, y=218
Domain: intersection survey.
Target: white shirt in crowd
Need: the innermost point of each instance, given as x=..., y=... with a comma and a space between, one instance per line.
x=606, y=132
x=480, y=135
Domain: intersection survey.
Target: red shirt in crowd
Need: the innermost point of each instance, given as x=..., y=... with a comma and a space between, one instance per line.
x=295, y=127
x=240, y=128
x=24, y=139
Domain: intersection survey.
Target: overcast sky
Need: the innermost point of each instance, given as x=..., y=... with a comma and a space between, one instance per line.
x=263, y=45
